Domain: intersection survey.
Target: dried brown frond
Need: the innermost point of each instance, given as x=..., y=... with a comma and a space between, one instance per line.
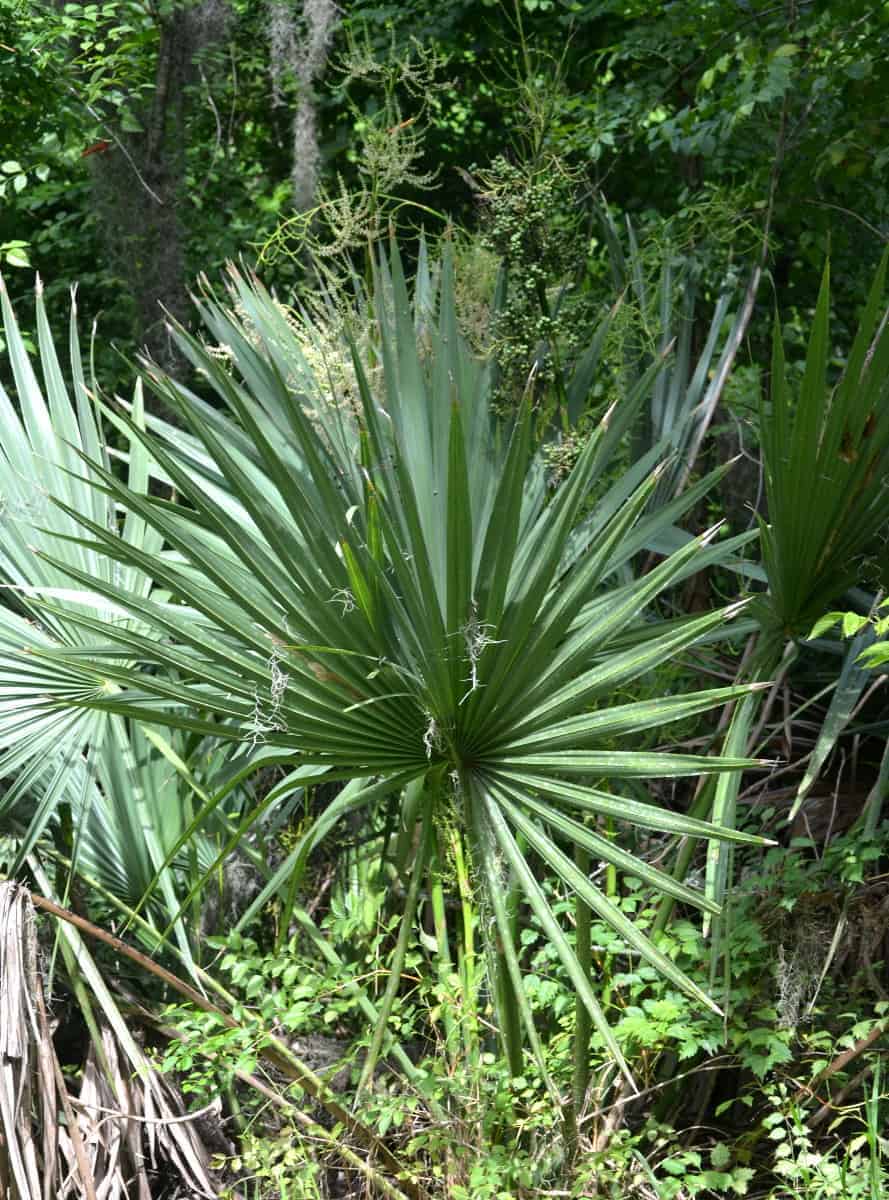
x=126, y=1126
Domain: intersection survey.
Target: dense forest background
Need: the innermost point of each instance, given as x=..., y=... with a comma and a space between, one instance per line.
x=145, y=144
x=443, y=635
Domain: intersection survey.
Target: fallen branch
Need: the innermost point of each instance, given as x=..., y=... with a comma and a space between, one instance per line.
x=838, y=1064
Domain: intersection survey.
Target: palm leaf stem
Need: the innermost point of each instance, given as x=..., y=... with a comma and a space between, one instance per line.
x=445, y=962
x=583, y=1026
x=737, y=717
x=486, y=857
x=467, y=953
x=405, y=933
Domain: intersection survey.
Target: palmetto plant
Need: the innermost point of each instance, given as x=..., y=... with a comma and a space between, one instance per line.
x=825, y=450
x=99, y=784
x=829, y=444
x=72, y=785
x=366, y=570
x=353, y=567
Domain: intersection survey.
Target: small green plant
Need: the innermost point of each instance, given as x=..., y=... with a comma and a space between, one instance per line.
x=471, y=1127
x=853, y=623
x=283, y=1166
x=847, y=1168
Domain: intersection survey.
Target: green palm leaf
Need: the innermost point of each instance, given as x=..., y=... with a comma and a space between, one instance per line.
x=830, y=445
x=60, y=750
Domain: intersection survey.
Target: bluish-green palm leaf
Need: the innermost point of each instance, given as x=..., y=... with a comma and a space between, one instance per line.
x=60, y=750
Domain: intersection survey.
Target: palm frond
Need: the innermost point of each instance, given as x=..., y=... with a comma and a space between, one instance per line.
x=378, y=583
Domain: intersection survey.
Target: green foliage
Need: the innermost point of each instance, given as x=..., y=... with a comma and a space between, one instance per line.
x=676, y=118
x=470, y=653
x=832, y=447
x=287, y=1165
x=449, y=633
x=500, y=1133
x=537, y=323
x=391, y=558
x=852, y=623
x=853, y=1170
x=70, y=73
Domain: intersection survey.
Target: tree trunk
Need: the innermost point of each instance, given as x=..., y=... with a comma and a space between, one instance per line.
x=139, y=189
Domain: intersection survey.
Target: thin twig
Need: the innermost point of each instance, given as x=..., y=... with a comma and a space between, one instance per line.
x=216, y=118
x=657, y=1087
x=123, y=1116
x=762, y=784
x=842, y=1060
x=313, y=904
x=112, y=136
x=884, y=237
x=834, y=1103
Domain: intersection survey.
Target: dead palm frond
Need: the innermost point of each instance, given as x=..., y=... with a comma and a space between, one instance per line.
x=125, y=1124
x=27, y=1081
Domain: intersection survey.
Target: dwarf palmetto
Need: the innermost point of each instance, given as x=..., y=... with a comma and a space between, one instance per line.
x=42, y=736
x=830, y=444
x=367, y=570
x=93, y=766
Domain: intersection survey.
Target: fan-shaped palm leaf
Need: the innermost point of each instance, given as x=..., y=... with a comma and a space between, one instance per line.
x=126, y=812
x=369, y=571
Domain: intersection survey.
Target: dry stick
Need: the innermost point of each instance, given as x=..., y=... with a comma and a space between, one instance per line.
x=277, y=1052
x=83, y=1165
x=687, y=845
x=731, y=351
x=312, y=906
x=123, y=1116
x=843, y=1060
x=831, y=1106
x=217, y=147
x=715, y=1064
x=787, y=661
x=49, y=1080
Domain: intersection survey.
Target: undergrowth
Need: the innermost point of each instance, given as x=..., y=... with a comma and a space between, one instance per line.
x=732, y=1105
